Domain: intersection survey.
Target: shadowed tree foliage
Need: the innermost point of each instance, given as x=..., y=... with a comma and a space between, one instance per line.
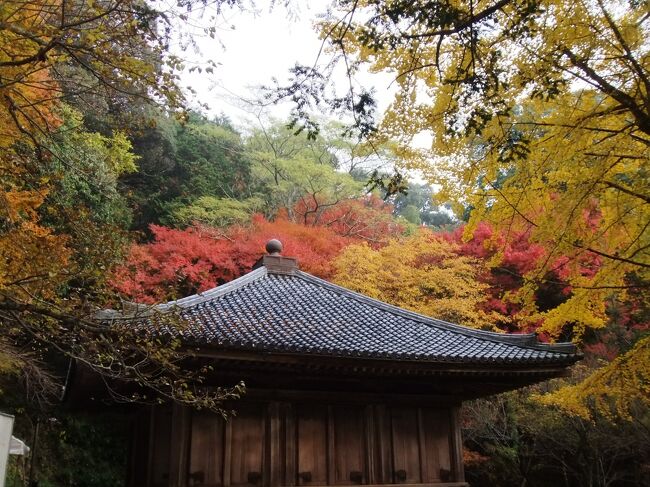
x=60, y=211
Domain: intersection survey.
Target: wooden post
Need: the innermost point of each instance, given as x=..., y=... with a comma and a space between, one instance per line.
x=273, y=458
x=179, y=451
x=152, y=438
x=331, y=453
x=227, y=452
x=458, y=470
x=370, y=443
x=422, y=448
x=384, y=445
x=290, y=445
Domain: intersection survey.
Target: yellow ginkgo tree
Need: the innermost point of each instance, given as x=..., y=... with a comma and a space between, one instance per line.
x=538, y=114
x=423, y=273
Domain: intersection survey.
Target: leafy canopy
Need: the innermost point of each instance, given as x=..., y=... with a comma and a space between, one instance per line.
x=540, y=122
x=61, y=214
x=539, y=119
x=423, y=273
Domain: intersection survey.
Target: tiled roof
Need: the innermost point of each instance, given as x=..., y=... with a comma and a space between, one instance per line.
x=297, y=313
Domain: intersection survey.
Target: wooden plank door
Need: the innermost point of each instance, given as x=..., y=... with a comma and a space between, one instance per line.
x=247, y=448
x=406, y=445
x=160, y=449
x=346, y=446
x=311, y=442
x=206, y=451
x=436, y=458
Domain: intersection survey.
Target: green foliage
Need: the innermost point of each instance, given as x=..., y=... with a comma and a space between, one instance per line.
x=411, y=214
x=214, y=212
x=75, y=449
x=84, y=172
x=297, y=172
x=210, y=160
x=180, y=163
x=419, y=200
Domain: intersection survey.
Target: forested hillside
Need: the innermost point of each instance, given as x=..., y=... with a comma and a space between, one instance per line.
x=524, y=217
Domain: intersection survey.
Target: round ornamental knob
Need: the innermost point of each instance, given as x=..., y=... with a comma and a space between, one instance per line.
x=274, y=247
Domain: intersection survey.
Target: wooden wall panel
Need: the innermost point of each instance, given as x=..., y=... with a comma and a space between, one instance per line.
x=406, y=448
x=247, y=447
x=290, y=443
x=274, y=467
x=206, y=451
x=139, y=450
x=180, y=445
x=160, y=435
x=277, y=444
x=311, y=440
x=383, y=448
x=349, y=446
x=436, y=458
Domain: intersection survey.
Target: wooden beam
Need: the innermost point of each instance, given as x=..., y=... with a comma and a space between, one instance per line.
x=227, y=452
x=369, y=366
x=362, y=398
x=456, y=438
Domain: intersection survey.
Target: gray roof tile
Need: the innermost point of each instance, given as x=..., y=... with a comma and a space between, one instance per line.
x=299, y=313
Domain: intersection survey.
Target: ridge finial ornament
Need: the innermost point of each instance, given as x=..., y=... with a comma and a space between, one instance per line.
x=274, y=247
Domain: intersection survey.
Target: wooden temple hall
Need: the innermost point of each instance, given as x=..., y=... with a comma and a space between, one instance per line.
x=342, y=389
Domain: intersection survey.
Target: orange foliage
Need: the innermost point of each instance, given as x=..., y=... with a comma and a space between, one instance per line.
x=369, y=218
x=182, y=262
x=34, y=260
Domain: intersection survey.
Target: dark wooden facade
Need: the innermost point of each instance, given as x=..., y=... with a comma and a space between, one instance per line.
x=325, y=440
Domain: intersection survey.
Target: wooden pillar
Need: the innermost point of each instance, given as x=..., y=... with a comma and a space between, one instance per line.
x=289, y=417
x=179, y=451
x=369, y=429
x=331, y=453
x=150, y=446
x=227, y=452
x=384, y=445
x=274, y=458
x=456, y=443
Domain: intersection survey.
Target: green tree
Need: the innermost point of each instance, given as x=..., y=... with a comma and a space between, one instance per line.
x=298, y=173
x=182, y=163
x=59, y=209
x=215, y=212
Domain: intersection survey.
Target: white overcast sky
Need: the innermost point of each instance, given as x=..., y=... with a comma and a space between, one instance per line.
x=253, y=46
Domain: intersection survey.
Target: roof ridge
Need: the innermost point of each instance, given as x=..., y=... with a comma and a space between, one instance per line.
x=215, y=292
x=528, y=340
x=144, y=311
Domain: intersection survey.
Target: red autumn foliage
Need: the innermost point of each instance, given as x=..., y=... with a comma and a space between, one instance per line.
x=520, y=256
x=178, y=263
x=369, y=218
